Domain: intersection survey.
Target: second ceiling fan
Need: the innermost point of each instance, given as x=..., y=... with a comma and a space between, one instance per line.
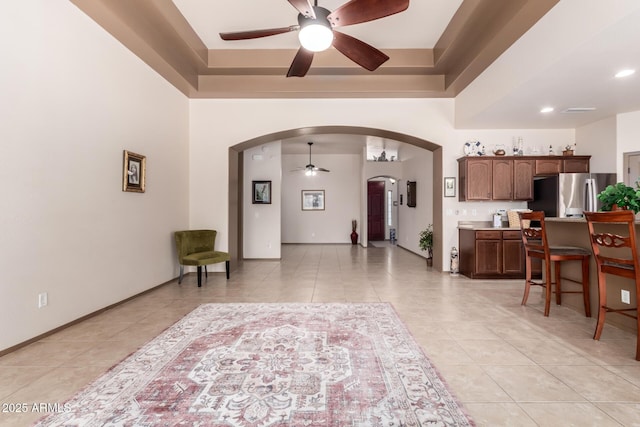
x=310, y=169
x=317, y=23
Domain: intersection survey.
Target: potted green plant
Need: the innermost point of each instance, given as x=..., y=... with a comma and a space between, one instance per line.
x=620, y=196
x=426, y=243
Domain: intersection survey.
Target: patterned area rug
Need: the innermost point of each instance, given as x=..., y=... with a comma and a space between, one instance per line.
x=260, y=365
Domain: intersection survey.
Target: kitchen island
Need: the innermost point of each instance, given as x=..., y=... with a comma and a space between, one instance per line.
x=574, y=232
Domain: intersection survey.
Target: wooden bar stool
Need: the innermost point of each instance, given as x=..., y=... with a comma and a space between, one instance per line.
x=537, y=246
x=616, y=254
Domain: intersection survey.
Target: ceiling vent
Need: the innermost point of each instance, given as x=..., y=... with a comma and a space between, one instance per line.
x=579, y=109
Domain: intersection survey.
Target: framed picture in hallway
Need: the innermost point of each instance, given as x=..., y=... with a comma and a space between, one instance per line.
x=449, y=187
x=261, y=192
x=312, y=200
x=134, y=171
x=411, y=194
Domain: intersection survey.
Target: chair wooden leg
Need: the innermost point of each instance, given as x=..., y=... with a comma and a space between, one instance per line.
x=638, y=321
x=547, y=295
x=226, y=264
x=199, y=276
x=558, y=273
x=638, y=341
x=527, y=281
x=205, y=272
x=585, y=286
x=602, y=303
x=181, y=272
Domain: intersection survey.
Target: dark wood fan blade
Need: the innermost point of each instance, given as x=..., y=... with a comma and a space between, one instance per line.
x=358, y=51
x=304, y=7
x=358, y=11
x=301, y=63
x=256, y=34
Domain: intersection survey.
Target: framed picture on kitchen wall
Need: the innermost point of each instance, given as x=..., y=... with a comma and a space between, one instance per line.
x=449, y=187
x=411, y=194
x=261, y=192
x=312, y=200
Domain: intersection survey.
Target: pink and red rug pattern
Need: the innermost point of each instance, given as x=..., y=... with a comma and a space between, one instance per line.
x=261, y=365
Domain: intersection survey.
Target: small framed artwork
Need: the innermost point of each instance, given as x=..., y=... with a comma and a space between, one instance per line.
x=134, y=172
x=450, y=187
x=411, y=194
x=312, y=200
x=261, y=192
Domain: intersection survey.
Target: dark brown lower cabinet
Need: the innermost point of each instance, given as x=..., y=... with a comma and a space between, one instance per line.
x=493, y=254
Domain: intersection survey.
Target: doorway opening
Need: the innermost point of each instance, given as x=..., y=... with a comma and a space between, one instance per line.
x=382, y=209
x=236, y=180
x=631, y=163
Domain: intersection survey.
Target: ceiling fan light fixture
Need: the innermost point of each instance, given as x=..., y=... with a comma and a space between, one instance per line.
x=316, y=36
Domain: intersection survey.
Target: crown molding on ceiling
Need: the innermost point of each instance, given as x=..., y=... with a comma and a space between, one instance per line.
x=158, y=33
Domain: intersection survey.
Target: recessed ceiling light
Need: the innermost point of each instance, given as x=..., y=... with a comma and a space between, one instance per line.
x=546, y=110
x=579, y=109
x=624, y=73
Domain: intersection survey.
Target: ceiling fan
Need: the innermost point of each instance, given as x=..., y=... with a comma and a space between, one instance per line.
x=316, y=25
x=310, y=169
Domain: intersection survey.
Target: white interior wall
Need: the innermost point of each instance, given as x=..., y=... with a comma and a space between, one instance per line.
x=628, y=138
x=600, y=141
x=342, y=197
x=261, y=222
x=411, y=221
x=73, y=99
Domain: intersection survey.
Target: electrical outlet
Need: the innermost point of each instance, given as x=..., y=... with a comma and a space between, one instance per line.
x=625, y=296
x=43, y=300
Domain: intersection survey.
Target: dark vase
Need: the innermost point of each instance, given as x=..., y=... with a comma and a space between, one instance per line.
x=429, y=262
x=354, y=238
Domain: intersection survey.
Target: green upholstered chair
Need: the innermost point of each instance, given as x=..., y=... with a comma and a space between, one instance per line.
x=196, y=247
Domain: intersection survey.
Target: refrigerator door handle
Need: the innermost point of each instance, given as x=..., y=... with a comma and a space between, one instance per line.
x=591, y=201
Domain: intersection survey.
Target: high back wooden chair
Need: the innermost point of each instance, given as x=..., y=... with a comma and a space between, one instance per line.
x=536, y=245
x=616, y=254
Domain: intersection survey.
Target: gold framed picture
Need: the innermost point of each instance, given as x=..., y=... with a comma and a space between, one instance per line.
x=134, y=172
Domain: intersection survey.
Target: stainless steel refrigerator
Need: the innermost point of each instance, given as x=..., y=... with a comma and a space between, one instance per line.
x=569, y=194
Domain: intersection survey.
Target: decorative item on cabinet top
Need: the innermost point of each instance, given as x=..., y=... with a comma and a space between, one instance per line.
x=473, y=148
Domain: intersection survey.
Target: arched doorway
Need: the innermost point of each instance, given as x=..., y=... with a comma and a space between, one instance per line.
x=236, y=176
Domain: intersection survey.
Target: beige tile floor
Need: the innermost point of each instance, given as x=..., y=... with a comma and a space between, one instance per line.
x=507, y=364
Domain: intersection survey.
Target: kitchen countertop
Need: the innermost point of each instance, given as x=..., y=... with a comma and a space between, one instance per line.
x=484, y=225
x=574, y=219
